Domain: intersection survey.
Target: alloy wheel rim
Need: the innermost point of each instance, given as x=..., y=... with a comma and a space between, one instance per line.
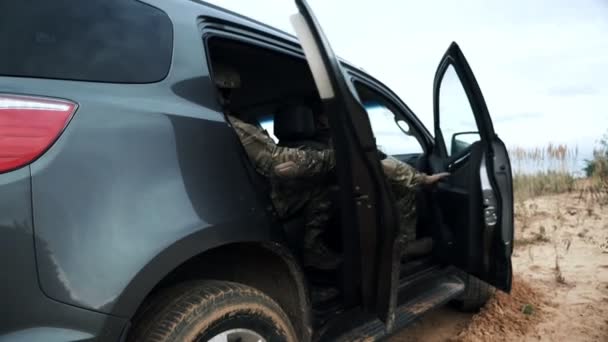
x=238, y=335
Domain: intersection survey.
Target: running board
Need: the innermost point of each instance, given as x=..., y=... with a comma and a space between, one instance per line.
x=416, y=299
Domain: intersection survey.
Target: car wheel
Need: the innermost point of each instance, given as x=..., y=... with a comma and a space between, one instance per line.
x=212, y=311
x=476, y=294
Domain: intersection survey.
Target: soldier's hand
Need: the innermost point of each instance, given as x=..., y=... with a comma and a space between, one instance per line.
x=432, y=179
x=287, y=169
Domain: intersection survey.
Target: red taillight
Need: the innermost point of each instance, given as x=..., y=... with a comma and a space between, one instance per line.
x=28, y=126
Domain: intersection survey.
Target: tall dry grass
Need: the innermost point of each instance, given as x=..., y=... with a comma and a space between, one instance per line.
x=543, y=170
x=536, y=172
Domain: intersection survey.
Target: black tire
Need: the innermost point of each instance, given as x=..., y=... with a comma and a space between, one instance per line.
x=200, y=310
x=475, y=296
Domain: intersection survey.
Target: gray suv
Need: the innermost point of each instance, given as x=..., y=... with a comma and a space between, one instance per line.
x=129, y=210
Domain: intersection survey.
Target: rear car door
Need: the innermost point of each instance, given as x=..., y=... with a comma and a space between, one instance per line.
x=369, y=223
x=476, y=201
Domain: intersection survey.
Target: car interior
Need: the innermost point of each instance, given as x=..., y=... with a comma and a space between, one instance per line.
x=277, y=93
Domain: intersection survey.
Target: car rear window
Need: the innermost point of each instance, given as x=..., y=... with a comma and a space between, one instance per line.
x=121, y=41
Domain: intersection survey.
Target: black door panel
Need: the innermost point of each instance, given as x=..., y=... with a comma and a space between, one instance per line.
x=476, y=202
x=368, y=218
x=459, y=205
x=501, y=270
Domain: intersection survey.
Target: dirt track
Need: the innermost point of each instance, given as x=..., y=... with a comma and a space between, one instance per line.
x=561, y=281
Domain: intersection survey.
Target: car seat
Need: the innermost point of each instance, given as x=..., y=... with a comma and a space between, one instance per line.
x=294, y=126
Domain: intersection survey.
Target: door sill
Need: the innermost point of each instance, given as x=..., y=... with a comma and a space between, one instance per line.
x=418, y=294
x=416, y=266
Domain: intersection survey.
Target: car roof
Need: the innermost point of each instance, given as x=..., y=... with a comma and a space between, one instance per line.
x=243, y=20
x=215, y=12
x=247, y=21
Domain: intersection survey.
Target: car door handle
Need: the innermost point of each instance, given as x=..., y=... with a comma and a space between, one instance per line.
x=456, y=163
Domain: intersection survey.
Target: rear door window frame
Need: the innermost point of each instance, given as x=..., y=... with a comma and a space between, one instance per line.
x=395, y=105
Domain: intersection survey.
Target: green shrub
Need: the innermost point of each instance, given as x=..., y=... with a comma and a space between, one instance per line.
x=597, y=171
x=598, y=166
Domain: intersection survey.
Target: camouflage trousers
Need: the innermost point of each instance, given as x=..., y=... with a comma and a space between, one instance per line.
x=318, y=210
x=403, y=181
x=309, y=199
x=317, y=215
x=314, y=200
x=405, y=202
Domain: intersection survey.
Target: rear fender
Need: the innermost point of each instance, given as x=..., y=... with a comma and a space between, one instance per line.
x=267, y=266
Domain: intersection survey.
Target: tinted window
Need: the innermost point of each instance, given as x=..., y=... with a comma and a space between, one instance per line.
x=123, y=41
x=456, y=117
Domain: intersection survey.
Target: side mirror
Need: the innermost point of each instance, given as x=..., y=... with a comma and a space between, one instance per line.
x=462, y=140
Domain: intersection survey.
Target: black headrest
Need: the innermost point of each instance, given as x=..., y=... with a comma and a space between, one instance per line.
x=294, y=122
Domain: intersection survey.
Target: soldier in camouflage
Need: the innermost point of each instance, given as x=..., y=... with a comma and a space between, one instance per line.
x=403, y=181
x=297, y=175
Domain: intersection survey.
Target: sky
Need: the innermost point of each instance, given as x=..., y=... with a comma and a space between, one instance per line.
x=542, y=65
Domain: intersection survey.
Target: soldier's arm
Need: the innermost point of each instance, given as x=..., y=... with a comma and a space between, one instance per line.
x=403, y=174
x=293, y=163
x=284, y=162
x=258, y=146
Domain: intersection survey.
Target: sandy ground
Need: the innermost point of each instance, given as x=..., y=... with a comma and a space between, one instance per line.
x=560, y=289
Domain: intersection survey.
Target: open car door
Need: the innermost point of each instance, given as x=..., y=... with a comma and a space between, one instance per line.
x=476, y=201
x=369, y=223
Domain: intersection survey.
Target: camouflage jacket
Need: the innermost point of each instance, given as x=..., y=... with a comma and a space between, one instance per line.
x=295, y=173
x=401, y=176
